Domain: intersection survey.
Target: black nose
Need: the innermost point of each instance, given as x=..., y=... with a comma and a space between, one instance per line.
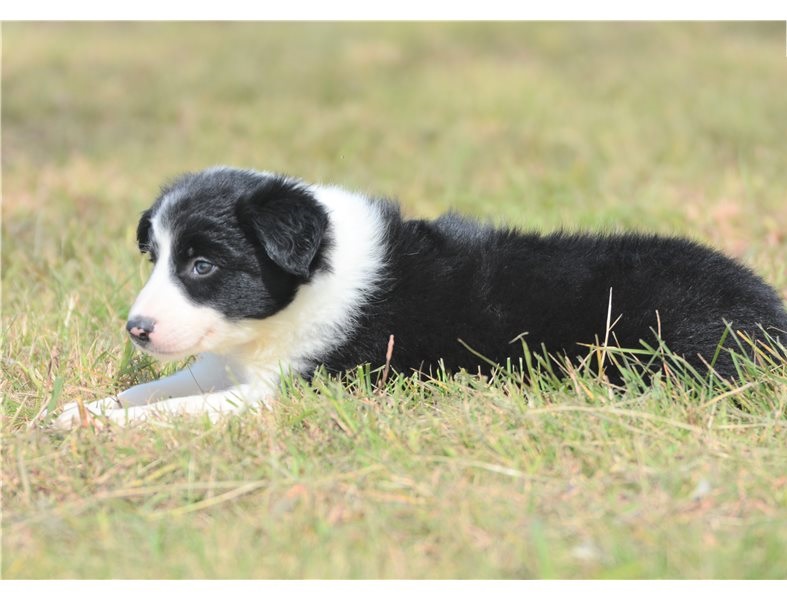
x=140, y=328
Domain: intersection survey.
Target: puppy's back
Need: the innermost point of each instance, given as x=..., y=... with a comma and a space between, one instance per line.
x=455, y=279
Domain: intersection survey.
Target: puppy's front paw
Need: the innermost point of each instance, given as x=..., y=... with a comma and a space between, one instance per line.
x=70, y=417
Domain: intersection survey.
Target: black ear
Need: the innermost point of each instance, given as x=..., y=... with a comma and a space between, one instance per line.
x=288, y=222
x=143, y=231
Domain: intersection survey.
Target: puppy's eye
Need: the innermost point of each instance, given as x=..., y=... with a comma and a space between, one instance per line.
x=202, y=267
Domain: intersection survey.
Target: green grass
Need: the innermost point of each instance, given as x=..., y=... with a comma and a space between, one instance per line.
x=660, y=127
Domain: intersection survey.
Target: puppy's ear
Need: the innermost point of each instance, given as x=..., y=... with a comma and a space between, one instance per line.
x=288, y=222
x=143, y=231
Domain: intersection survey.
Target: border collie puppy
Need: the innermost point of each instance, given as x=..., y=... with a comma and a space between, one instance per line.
x=261, y=274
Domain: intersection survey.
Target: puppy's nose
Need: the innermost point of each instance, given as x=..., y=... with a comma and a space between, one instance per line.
x=140, y=328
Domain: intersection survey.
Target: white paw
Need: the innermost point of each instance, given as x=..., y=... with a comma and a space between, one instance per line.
x=70, y=417
x=164, y=413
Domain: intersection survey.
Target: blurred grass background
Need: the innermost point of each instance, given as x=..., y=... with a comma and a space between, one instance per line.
x=674, y=128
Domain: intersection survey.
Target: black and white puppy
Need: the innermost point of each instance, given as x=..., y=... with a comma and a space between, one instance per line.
x=261, y=274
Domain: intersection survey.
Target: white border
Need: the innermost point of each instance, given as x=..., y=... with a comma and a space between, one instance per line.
x=395, y=590
x=402, y=9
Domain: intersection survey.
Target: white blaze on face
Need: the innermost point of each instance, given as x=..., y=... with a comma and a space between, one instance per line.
x=181, y=327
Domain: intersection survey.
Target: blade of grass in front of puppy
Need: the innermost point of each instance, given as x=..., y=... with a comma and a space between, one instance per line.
x=340, y=416
x=57, y=390
x=83, y=420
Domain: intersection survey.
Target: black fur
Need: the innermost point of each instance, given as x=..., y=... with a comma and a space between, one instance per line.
x=454, y=279
x=289, y=224
x=143, y=231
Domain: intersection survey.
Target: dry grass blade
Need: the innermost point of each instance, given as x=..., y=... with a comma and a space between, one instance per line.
x=209, y=502
x=386, y=369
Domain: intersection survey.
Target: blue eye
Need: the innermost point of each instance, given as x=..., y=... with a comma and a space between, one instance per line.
x=202, y=267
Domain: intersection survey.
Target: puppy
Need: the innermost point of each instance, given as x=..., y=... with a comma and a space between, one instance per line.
x=262, y=275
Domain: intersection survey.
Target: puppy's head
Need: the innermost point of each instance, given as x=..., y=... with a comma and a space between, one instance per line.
x=229, y=247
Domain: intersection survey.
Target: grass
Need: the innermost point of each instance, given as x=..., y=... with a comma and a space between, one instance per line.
x=663, y=127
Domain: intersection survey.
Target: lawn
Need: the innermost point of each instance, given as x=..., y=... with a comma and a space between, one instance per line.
x=671, y=128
